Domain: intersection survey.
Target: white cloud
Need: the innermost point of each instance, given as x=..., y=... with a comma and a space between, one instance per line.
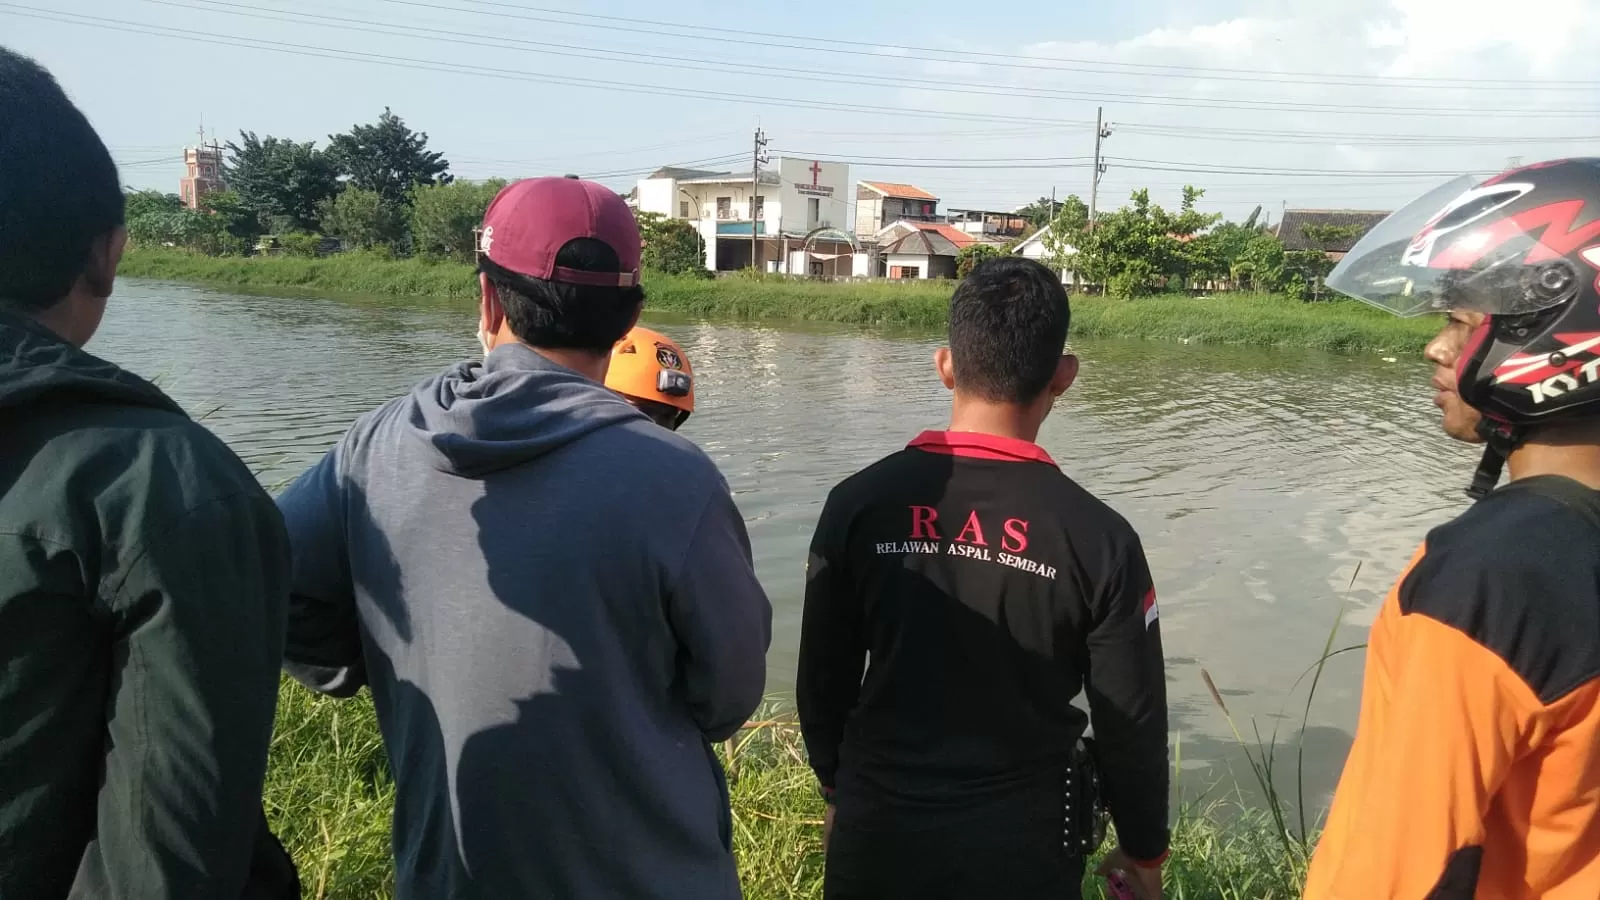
x=1379, y=50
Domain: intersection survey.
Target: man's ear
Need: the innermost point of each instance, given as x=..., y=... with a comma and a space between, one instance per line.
x=946, y=367
x=105, y=255
x=491, y=315
x=1066, y=374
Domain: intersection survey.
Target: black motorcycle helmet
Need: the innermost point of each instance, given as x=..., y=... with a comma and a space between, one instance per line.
x=1523, y=248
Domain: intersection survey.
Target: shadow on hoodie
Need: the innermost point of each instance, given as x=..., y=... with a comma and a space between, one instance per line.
x=555, y=602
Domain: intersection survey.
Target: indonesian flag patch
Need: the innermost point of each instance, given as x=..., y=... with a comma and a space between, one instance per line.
x=1150, y=609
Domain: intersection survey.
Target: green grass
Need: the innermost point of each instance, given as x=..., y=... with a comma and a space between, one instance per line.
x=1265, y=320
x=329, y=798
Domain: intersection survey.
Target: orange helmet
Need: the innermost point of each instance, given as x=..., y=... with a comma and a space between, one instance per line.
x=650, y=368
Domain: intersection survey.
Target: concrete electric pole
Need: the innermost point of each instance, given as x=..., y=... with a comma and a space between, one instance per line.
x=756, y=212
x=1101, y=132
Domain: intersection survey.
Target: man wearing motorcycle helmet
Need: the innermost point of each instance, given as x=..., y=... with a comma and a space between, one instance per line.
x=652, y=372
x=1475, y=770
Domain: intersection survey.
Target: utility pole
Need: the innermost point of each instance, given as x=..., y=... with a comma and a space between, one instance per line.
x=1052, y=204
x=756, y=214
x=1101, y=132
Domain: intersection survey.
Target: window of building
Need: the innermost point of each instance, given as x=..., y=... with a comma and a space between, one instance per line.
x=758, y=208
x=813, y=212
x=683, y=209
x=724, y=207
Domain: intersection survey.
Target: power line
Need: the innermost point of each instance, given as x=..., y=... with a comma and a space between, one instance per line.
x=1161, y=165
x=1003, y=60
x=1353, y=139
x=122, y=26
x=1020, y=92
x=1120, y=162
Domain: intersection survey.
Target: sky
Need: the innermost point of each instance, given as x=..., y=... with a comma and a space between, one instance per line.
x=1358, y=104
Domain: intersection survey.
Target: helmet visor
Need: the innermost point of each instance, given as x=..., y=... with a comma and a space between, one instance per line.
x=1457, y=247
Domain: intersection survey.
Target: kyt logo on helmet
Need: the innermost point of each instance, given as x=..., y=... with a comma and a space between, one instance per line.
x=1522, y=249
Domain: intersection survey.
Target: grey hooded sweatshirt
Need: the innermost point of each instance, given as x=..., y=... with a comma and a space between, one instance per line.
x=553, y=602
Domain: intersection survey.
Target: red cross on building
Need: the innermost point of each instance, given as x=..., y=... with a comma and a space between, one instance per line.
x=816, y=169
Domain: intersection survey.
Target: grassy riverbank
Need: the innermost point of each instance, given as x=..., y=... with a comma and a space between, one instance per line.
x=1235, y=319
x=329, y=798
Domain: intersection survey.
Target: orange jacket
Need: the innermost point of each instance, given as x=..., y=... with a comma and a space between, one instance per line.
x=1476, y=766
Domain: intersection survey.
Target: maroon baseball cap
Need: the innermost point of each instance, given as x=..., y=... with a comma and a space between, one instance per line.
x=531, y=220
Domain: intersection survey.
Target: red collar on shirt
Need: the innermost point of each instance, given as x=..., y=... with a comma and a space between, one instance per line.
x=974, y=445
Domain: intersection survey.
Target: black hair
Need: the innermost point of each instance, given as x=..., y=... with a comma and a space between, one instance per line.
x=1008, y=327
x=59, y=189
x=558, y=316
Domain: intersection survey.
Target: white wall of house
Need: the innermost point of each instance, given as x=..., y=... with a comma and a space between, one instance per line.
x=1035, y=248
x=656, y=195
x=869, y=211
x=923, y=263
x=861, y=265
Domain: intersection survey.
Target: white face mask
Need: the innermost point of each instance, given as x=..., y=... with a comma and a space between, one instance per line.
x=483, y=337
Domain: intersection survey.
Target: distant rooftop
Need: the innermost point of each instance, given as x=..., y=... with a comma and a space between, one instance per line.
x=936, y=238
x=1291, y=230
x=924, y=243
x=679, y=174
x=898, y=191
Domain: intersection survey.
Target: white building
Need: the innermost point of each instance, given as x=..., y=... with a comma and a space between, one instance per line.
x=1034, y=248
x=797, y=218
x=880, y=204
x=922, y=250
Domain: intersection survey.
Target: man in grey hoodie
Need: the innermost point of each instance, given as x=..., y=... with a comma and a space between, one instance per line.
x=551, y=598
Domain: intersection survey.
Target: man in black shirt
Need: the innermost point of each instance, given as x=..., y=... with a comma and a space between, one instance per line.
x=988, y=589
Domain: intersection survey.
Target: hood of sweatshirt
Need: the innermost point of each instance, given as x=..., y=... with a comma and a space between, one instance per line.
x=513, y=407
x=36, y=365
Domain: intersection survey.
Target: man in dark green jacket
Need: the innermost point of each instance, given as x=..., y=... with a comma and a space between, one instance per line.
x=143, y=571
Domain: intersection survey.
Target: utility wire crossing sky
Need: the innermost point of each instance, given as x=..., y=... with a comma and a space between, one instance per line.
x=1360, y=106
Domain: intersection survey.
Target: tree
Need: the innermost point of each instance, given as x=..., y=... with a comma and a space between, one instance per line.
x=1044, y=210
x=363, y=218
x=155, y=219
x=1072, y=214
x=234, y=217
x=672, y=246
x=973, y=254
x=1066, y=231
x=161, y=220
x=1260, y=262
x=141, y=204
x=388, y=158
x=1137, y=248
x=443, y=216
x=1328, y=237
x=282, y=182
x=1039, y=212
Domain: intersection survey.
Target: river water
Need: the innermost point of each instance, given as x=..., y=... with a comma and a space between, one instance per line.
x=1270, y=486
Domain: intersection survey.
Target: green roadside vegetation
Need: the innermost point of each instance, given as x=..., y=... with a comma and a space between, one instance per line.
x=329, y=798
x=1257, y=319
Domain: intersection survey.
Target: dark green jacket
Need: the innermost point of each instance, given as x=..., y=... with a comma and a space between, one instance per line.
x=143, y=591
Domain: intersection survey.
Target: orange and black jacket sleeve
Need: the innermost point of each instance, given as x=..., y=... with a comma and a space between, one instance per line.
x=1481, y=665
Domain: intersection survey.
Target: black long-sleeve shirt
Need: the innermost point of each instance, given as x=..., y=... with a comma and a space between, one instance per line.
x=987, y=589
